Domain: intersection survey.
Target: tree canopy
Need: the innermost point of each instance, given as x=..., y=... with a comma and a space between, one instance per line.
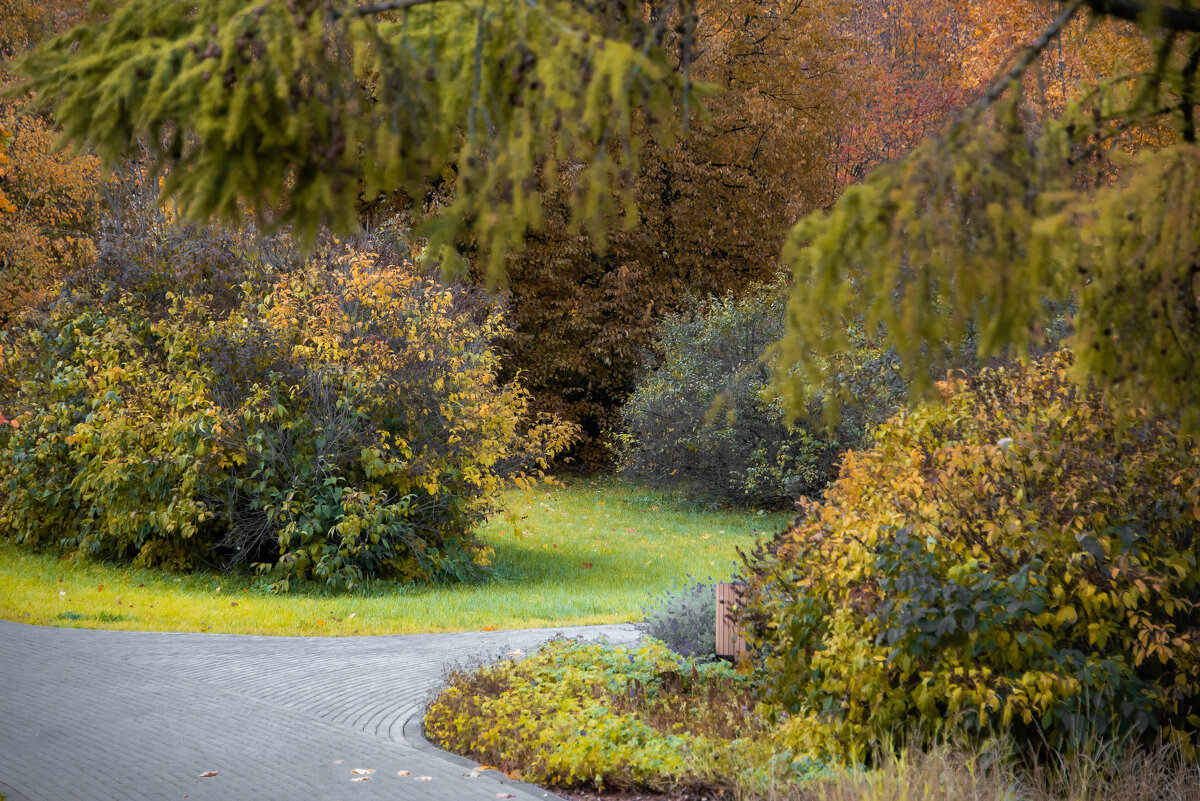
x=295, y=110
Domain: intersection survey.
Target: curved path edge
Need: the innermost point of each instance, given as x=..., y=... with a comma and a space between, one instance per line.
x=90, y=715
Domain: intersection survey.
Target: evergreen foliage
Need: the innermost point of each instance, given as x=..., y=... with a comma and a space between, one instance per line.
x=970, y=236
x=298, y=110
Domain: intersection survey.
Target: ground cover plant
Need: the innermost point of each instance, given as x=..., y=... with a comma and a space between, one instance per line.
x=593, y=718
x=600, y=716
x=588, y=552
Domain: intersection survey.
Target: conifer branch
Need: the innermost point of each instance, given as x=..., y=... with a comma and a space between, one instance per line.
x=1160, y=15
x=382, y=7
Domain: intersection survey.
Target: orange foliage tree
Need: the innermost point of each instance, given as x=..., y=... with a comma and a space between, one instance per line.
x=714, y=208
x=47, y=198
x=48, y=210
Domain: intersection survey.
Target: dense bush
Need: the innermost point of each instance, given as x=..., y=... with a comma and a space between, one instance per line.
x=590, y=714
x=704, y=418
x=685, y=620
x=1016, y=559
x=193, y=400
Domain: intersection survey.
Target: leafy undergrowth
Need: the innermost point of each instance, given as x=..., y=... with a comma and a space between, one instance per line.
x=611, y=723
x=585, y=553
x=592, y=715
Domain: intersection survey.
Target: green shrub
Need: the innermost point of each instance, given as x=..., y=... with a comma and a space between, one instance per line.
x=704, y=418
x=1013, y=560
x=590, y=714
x=685, y=620
x=331, y=419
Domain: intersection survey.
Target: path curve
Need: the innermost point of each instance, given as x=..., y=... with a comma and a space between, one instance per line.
x=88, y=715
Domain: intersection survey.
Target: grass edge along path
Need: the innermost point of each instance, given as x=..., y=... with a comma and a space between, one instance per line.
x=589, y=552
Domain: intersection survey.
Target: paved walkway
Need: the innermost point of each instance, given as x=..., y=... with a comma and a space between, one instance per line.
x=125, y=716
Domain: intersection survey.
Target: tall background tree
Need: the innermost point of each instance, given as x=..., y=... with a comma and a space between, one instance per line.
x=714, y=207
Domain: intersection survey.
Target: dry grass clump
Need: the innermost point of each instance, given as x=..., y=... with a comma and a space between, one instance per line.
x=1099, y=773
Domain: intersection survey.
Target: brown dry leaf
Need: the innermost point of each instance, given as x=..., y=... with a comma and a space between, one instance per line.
x=361, y=779
x=505, y=795
x=208, y=774
x=362, y=771
x=424, y=778
x=588, y=565
x=403, y=773
x=485, y=767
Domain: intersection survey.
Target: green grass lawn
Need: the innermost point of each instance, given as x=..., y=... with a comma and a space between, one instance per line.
x=590, y=552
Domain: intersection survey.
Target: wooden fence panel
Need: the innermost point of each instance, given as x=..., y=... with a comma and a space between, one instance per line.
x=730, y=643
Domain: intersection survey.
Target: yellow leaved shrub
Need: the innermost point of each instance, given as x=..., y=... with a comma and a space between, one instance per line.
x=1015, y=560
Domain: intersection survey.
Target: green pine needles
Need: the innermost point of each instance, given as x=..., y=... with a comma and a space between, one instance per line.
x=298, y=111
x=1016, y=216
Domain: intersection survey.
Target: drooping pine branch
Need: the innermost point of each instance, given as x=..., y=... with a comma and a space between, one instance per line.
x=1159, y=15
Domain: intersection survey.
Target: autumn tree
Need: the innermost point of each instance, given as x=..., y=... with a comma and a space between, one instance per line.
x=285, y=107
x=714, y=207
x=47, y=198
x=906, y=77
x=48, y=206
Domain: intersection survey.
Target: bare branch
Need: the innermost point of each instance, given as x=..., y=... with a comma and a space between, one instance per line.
x=1031, y=53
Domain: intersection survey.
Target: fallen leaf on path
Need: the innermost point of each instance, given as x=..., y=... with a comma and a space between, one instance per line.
x=485, y=767
x=361, y=779
x=339, y=761
x=208, y=774
x=424, y=778
x=474, y=774
x=505, y=795
x=514, y=653
x=403, y=773
x=362, y=771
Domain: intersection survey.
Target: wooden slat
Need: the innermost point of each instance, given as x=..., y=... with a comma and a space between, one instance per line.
x=730, y=643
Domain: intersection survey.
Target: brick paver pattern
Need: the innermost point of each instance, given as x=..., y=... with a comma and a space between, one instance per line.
x=91, y=715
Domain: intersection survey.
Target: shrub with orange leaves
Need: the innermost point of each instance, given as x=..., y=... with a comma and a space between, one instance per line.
x=48, y=211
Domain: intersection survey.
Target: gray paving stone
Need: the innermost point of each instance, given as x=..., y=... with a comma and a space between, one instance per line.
x=91, y=715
